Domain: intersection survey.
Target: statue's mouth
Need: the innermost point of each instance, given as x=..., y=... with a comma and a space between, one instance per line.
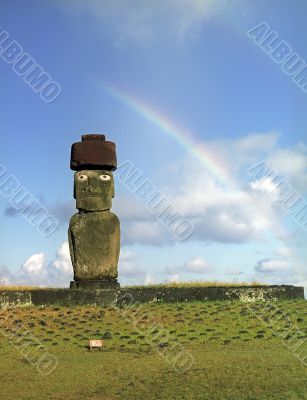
x=91, y=195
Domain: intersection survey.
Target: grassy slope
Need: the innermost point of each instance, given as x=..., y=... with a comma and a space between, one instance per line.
x=237, y=356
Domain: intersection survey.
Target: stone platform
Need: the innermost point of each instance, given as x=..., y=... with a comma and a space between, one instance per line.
x=99, y=284
x=136, y=295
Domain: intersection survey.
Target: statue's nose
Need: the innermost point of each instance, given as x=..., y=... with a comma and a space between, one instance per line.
x=88, y=189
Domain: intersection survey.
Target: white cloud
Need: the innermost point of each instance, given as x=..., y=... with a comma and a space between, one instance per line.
x=142, y=21
x=272, y=266
x=242, y=212
x=63, y=262
x=5, y=276
x=235, y=153
x=34, y=264
x=35, y=271
x=265, y=184
x=149, y=280
x=129, y=270
x=285, y=268
x=146, y=232
x=174, y=278
x=288, y=165
x=291, y=164
x=284, y=252
x=194, y=265
x=234, y=271
x=198, y=265
x=257, y=142
x=128, y=265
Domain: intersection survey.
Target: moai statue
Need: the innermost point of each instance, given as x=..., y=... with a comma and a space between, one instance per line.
x=94, y=232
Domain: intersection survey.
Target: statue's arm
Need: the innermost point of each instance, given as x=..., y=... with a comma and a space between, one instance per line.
x=71, y=249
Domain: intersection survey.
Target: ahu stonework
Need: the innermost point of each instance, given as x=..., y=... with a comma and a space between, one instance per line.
x=94, y=231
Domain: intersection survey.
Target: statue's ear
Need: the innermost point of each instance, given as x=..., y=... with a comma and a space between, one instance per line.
x=74, y=187
x=113, y=189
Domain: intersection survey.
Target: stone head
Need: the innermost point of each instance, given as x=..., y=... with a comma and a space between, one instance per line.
x=93, y=189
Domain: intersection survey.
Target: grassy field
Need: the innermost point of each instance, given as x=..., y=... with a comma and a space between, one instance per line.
x=230, y=351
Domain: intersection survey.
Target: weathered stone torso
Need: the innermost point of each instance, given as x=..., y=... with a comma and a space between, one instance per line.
x=94, y=242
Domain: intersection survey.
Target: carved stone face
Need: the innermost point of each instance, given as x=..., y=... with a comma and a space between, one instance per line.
x=93, y=190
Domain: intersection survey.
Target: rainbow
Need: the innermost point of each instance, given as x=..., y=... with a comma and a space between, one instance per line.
x=193, y=146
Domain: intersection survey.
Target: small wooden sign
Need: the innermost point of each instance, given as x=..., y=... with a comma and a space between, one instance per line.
x=96, y=344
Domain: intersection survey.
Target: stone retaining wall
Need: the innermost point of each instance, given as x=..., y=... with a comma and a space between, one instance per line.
x=106, y=298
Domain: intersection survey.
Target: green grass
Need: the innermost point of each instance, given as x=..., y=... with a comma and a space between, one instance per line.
x=21, y=288
x=237, y=355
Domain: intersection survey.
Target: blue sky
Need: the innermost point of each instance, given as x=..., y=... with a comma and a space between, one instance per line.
x=192, y=62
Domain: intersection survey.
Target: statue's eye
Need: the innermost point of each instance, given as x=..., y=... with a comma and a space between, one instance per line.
x=105, y=177
x=82, y=178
